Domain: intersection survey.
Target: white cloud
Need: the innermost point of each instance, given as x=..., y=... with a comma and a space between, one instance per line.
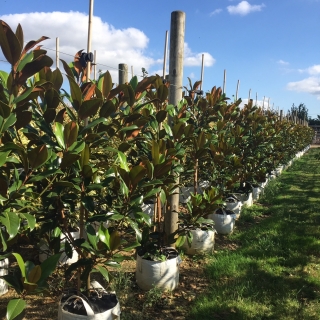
x=309, y=85
x=244, y=7
x=192, y=59
x=214, y=12
x=314, y=70
x=282, y=62
x=113, y=46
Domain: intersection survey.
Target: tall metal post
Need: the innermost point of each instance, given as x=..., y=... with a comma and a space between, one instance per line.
x=249, y=97
x=123, y=73
x=281, y=115
x=177, y=31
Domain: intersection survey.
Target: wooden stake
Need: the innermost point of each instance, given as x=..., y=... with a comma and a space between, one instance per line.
x=202, y=68
x=177, y=32
x=238, y=84
x=57, y=52
x=224, y=81
x=165, y=56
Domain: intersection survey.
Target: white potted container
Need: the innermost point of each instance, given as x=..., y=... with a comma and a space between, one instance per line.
x=4, y=265
x=234, y=204
x=160, y=274
x=45, y=251
x=224, y=220
x=202, y=242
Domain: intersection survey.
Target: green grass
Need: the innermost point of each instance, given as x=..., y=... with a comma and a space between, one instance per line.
x=275, y=272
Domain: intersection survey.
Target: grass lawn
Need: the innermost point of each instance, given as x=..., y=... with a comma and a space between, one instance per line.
x=274, y=272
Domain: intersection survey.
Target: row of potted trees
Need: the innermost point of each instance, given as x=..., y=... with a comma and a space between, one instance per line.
x=87, y=174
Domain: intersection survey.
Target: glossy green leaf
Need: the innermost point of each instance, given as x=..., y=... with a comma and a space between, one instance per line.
x=58, y=132
x=9, y=43
x=15, y=308
x=38, y=156
x=20, y=264
x=47, y=267
x=70, y=133
x=136, y=174
x=107, y=109
x=123, y=161
x=104, y=272
x=30, y=219
x=11, y=221
x=4, y=110
x=89, y=108
x=68, y=160
x=180, y=241
x=104, y=236
x=92, y=237
x=85, y=156
x=115, y=240
x=75, y=92
x=34, y=275
x=9, y=122
x=3, y=157
x=162, y=93
x=161, y=116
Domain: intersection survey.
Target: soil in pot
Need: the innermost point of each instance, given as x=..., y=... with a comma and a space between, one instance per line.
x=97, y=304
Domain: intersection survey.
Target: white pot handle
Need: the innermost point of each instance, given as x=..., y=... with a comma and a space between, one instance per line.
x=85, y=303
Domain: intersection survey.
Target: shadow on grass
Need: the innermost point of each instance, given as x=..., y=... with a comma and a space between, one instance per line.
x=275, y=272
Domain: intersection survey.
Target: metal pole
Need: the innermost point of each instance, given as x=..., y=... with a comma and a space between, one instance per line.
x=177, y=31
x=165, y=55
x=123, y=73
x=95, y=65
x=224, y=81
x=238, y=84
x=57, y=52
x=202, y=69
x=249, y=95
x=281, y=115
x=256, y=99
x=89, y=38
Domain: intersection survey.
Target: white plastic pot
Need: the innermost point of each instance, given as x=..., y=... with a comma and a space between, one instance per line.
x=45, y=251
x=234, y=205
x=184, y=195
x=246, y=199
x=202, y=242
x=112, y=313
x=223, y=223
x=160, y=274
x=4, y=265
x=256, y=191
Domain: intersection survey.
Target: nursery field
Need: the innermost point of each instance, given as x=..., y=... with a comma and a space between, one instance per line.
x=269, y=268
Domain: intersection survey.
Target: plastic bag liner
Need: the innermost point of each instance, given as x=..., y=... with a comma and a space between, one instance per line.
x=4, y=265
x=202, y=242
x=161, y=274
x=99, y=305
x=223, y=220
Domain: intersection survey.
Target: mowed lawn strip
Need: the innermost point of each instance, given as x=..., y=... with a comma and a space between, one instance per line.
x=274, y=273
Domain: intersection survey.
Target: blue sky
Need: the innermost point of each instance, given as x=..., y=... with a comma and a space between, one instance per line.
x=272, y=47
